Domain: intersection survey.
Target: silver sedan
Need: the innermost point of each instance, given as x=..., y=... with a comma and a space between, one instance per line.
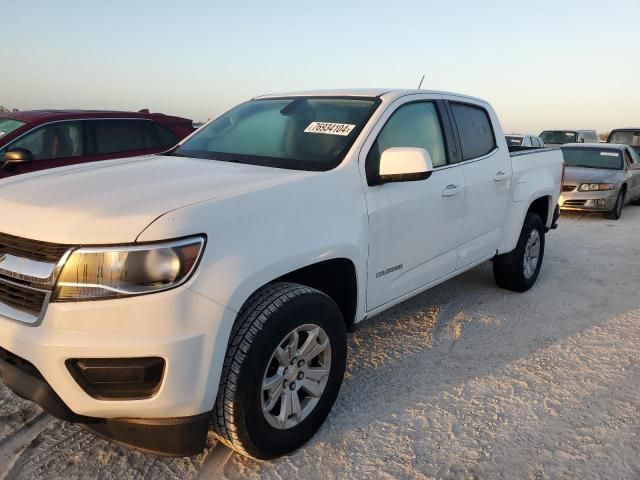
x=600, y=178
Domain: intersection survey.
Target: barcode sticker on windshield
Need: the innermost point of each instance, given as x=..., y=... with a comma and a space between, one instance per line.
x=609, y=154
x=342, y=129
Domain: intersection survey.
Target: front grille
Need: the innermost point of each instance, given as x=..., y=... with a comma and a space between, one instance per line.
x=568, y=188
x=33, y=249
x=21, y=298
x=27, y=275
x=574, y=203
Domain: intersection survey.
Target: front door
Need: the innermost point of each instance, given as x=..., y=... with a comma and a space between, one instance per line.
x=413, y=226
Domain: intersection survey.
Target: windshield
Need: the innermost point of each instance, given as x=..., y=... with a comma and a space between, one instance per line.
x=299, y=133
x=558, y=137
x=8, y=125
x=514, y=140
x=626, y=137
x=592, y=158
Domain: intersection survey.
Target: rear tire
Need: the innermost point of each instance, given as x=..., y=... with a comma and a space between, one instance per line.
x=518, y=270
x=617, y=208
x=249, y=416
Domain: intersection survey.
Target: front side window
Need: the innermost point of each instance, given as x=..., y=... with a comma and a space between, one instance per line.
x=634, y=156
x=56, y=140
x=474, y=129
x=412, y=125
x=115, y=136
x=607, y=159
x=627, y=158
x=303, y=133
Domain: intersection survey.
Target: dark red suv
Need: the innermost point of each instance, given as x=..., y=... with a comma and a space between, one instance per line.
x=40, y=139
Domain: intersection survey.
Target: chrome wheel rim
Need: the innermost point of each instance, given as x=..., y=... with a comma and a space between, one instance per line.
x=296, y=376
x=531, y=254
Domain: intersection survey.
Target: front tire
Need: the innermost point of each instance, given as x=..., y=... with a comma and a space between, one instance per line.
x=617, y=208
x=518, y=270
x=282, y=372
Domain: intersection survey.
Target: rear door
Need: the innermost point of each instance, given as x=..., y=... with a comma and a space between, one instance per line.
x=414, y=226
x=487, y=179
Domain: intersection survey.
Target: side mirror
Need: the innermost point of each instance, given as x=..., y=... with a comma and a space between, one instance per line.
x=16, y=156
x=405, y=164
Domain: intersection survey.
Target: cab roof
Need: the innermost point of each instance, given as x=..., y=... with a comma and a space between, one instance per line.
x=383, y=93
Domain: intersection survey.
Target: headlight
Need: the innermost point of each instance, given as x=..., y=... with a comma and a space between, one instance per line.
x=115, y=272
x=588, y=187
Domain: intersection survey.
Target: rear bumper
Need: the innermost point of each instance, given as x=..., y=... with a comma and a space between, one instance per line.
x=179, y=437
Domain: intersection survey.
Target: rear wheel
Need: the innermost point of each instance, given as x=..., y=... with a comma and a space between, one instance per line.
x=617, y=208
x=283, y=371
x=519, y=269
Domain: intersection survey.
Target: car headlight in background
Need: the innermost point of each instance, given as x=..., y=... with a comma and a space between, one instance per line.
x=95, y=273
x=590, y=187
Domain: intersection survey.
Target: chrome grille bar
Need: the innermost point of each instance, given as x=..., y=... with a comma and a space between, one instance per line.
x=28, y=274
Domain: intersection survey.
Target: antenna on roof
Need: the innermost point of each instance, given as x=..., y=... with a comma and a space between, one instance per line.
x=421, y=80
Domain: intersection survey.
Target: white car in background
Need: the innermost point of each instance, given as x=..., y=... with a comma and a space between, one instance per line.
x=523, y=140
x=152, y=297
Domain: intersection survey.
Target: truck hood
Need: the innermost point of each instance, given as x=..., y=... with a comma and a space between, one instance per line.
x=113, y=201
x=578, y=175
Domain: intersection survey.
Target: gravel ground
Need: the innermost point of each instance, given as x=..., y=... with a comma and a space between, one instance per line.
x=463, y=381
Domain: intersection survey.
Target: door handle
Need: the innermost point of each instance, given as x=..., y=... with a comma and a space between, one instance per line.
x=451, y=190
x=500, y=177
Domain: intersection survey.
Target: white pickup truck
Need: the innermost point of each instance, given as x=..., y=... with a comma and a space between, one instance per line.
x=214, y=285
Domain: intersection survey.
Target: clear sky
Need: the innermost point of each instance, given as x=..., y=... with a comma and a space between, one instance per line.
x=543, y=64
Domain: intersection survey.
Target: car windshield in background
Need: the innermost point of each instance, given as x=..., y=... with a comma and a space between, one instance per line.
x=304, y=133
x=514, y=140
x=626, y=137
x=558, y=137
x=592, y=158
x=8, y=125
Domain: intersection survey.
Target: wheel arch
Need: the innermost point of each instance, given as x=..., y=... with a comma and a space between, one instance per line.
x=336, y=277
x=541, y=204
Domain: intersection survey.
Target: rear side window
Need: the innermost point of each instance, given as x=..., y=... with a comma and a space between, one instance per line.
x=113, y=136
x=166, y=137
x=475, y=130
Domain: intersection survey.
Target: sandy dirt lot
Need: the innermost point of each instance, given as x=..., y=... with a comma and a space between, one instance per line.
x=463, y=381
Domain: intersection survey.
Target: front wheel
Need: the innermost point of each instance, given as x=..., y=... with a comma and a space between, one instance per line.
x=617, y=209
x=283, y=371
x=519, y=269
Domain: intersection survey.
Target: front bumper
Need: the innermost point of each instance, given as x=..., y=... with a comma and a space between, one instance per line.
x=600, y=201
x=169, y=436
x=187, y=330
